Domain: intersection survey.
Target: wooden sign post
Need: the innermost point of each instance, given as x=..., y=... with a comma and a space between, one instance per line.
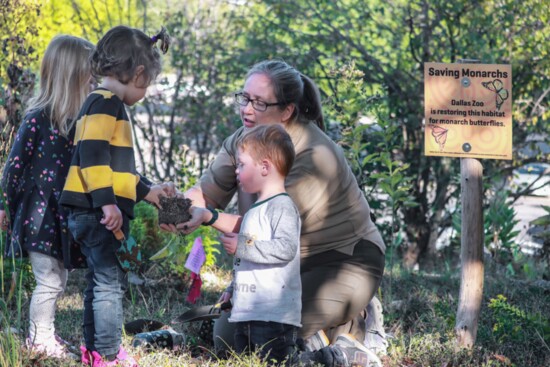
x=471, y=252
x=468, y=114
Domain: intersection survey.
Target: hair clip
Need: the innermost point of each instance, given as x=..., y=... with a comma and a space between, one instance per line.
x=164, y=39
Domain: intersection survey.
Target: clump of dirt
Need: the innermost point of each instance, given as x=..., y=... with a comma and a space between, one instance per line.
x=174, y=210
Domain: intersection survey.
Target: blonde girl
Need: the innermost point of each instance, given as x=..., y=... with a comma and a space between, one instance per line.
x=32, y=181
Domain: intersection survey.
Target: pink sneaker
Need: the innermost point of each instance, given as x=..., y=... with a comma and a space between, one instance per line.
x=122, y=359
x=51, y=348
x=86, y=356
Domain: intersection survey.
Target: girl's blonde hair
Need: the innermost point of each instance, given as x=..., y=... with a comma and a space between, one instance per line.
x=65, y=74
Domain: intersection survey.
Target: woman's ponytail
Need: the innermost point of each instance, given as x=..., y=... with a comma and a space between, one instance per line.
x=310, y=104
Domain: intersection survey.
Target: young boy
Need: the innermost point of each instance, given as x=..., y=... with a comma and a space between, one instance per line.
x=266, y=288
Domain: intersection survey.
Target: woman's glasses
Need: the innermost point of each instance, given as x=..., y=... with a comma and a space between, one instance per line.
x=257, y=104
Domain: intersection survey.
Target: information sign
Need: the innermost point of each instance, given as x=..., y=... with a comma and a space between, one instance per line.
x=468, y=110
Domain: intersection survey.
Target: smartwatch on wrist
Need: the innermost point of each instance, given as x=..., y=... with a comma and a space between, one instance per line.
x=213, y=219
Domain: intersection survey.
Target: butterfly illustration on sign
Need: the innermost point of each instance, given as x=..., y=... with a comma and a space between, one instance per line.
x=440, y=135
x=496, y=86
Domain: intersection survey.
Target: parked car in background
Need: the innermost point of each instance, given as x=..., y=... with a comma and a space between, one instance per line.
x=537, y=174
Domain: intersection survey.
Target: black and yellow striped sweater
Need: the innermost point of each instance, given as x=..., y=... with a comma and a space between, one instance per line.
x=103, y=169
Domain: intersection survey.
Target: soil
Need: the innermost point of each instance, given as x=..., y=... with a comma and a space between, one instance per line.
x=174, y=210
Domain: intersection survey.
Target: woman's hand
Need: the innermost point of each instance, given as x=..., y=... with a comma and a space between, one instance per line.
x=168, y=228
x=198, y=216
x=229, y=242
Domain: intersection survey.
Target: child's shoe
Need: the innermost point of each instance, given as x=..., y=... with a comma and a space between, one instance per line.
x=86, y=356
x=375, y=335
x=52, y=348
x=317, y=341
x=353, y=353
x=122, y=359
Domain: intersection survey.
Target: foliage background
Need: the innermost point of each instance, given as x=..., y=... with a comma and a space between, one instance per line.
x=182, y=122
x=367, y=57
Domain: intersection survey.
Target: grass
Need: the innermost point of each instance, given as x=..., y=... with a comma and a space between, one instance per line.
x=420, y=315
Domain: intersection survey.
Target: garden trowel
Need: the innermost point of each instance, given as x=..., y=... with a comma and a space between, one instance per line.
x=201, y=313
x=128, y=254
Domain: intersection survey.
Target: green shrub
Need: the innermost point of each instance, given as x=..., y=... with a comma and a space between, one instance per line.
x=168, y=249
x=145, y=230
x=177, y=248
x=10, y=349
x=16, y=280
x=513, y=325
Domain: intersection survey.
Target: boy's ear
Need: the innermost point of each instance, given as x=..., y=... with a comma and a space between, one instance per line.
x=266, y=166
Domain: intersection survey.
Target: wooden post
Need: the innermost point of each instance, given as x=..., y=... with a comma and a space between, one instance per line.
x=471, y=249
x=471, y=253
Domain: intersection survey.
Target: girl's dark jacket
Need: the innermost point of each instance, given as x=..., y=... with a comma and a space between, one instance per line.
x=33, y=178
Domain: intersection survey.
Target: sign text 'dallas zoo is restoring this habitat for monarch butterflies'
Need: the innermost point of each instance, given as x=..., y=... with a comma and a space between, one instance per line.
x=468, y=110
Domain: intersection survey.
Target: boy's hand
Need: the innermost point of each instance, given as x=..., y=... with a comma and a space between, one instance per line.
x=154, y=195
x=229, y=242
x=112, y=217
x=225, y=297
x=3, y=220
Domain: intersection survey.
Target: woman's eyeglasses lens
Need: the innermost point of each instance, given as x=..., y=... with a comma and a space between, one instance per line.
x=243, y=100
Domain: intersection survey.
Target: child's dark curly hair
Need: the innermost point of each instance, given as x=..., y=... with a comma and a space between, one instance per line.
x=122, y=49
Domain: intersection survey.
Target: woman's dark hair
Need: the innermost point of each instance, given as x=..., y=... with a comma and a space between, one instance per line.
x=122, y=49
x=291, y=86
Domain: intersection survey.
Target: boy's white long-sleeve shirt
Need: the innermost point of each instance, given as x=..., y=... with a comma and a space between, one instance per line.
x=266, y=281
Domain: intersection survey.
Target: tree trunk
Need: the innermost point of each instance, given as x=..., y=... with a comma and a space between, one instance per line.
x=418, y=233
